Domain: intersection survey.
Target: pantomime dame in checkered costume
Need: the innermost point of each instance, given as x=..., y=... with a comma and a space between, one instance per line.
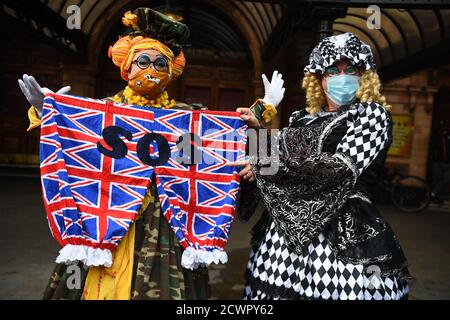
x=322, y=236
x=148, y=262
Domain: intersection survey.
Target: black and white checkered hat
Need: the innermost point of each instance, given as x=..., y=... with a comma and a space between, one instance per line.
x=335, y=48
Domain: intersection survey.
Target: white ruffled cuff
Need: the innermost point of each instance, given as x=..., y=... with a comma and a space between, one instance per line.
x=91, y=257
x=193, y=258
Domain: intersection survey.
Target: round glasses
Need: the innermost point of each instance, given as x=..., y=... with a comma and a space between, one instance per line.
x=144, y=61
x=334, y=71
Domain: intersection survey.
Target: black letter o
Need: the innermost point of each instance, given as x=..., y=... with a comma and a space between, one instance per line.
x=143, y=149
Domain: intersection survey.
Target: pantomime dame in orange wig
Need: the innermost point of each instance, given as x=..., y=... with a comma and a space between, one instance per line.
x=147, y=262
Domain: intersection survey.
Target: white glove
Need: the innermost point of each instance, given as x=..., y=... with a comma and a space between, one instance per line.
x=34, y=93
x=273, y=91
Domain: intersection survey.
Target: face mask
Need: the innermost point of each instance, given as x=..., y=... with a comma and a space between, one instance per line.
x=149, y=81
x=341, y=89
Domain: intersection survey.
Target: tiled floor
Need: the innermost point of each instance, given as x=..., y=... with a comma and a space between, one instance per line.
x=27, y=250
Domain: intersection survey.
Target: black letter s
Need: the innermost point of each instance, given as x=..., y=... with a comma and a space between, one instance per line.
x=112, y=138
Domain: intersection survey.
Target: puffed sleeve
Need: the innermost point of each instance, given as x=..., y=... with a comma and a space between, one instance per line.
x=368, y=133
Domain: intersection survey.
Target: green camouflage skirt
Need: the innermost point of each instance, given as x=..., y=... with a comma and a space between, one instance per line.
x=157, y=271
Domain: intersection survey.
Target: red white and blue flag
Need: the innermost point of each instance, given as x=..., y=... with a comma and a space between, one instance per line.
x=97, y=162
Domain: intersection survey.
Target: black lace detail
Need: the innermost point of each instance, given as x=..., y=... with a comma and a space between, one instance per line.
x=352, y=231
x=360, y=236
x=309, y=188
x=315, y=190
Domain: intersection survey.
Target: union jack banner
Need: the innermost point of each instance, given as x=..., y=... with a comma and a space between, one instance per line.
x=97, y=159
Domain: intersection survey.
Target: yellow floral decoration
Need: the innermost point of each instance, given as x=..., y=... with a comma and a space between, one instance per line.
x=162, y=101
x=130, y=20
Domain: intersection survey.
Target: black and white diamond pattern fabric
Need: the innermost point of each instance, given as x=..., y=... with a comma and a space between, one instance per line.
x=367, y=134
x=335, y=48
x=316, y=274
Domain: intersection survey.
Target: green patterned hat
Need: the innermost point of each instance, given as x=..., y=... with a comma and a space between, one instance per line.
x=149, y=23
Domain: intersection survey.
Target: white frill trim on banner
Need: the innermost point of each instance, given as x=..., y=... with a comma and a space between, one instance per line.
x=91, y=257
x=193, y=258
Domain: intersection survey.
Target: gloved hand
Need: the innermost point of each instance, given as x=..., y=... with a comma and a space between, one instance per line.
x=34, y=93
x=273, y=90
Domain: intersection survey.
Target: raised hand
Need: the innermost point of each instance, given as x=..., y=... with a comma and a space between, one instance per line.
x=273, y=90
x=34, y=93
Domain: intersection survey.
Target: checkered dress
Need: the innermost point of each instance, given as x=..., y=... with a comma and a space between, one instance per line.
x=317, y=274
x=277, y=269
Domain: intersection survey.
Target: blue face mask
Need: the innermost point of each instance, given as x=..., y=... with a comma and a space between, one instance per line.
x=341, y=89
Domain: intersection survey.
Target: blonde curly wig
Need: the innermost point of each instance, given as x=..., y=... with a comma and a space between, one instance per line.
x=368, y=91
